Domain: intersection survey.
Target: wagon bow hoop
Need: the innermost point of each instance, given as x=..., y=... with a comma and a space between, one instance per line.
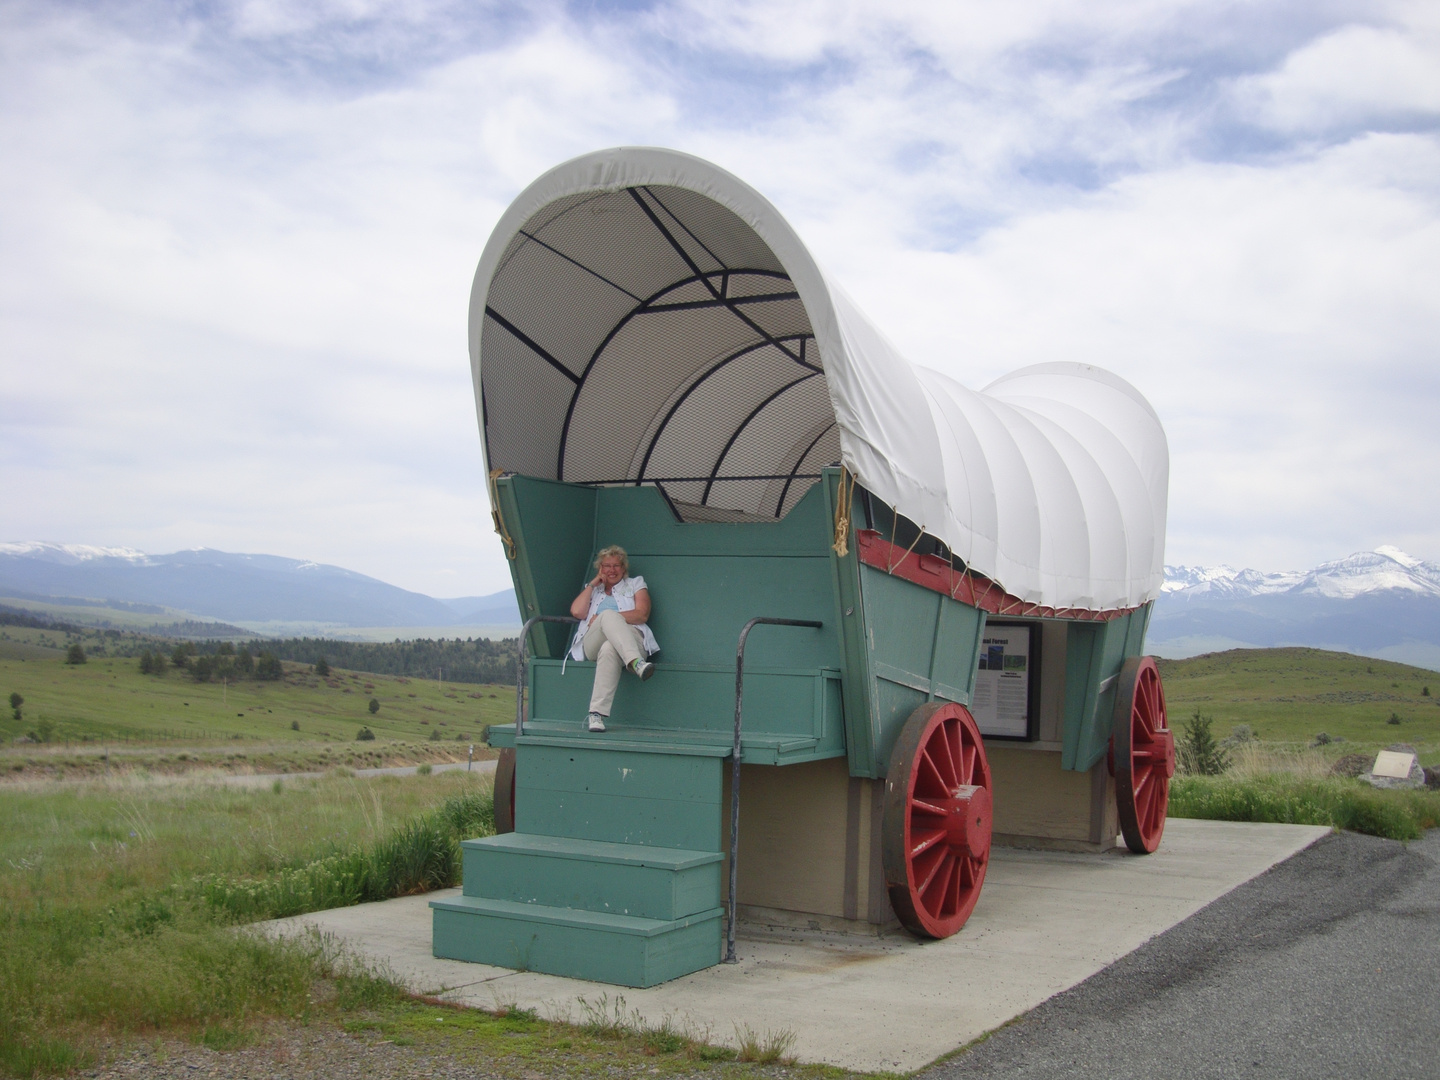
x=735, y=766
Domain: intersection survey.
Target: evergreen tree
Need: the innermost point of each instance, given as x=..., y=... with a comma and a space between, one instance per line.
x=1199, y=750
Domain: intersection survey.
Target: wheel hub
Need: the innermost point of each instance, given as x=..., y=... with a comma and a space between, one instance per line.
x=967, y=821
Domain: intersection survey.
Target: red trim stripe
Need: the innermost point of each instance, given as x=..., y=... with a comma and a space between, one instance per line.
x=978, y=591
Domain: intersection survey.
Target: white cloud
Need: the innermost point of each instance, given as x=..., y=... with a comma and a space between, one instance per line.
x=1358, y=75
x=237, y=253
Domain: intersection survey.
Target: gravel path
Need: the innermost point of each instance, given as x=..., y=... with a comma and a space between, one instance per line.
x=1325, y=966
x=318, y=1052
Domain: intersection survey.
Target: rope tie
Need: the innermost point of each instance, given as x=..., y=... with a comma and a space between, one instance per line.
x=843, y=503
x=497, y=517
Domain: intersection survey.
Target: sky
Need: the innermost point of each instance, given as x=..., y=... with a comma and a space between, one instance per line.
x=237, y=241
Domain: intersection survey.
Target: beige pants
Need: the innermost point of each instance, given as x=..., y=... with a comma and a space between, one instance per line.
x=613, y=644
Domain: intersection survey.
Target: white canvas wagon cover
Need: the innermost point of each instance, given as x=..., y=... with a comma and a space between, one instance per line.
x=642, y=316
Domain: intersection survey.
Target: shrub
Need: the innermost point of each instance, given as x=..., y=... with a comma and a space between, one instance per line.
x=419, y=856
x=15, y=702
x=374, y=706
x=1199, y=753
x=424, y=770
x=1338, y=803
x=365, y=735
x=75, y=654
x=1394, y=718
x=294, y=725
x=434, y=734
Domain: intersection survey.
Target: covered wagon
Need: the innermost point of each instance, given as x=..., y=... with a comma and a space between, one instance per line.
x=900, y=620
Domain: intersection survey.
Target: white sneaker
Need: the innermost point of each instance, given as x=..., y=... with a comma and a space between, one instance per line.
x=642, y=668
x=596, y=722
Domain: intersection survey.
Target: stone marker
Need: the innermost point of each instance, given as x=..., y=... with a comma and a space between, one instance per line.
x=1397, y=766
x=1393, y=764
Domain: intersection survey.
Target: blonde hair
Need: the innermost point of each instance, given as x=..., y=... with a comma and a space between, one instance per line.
x=614, y=551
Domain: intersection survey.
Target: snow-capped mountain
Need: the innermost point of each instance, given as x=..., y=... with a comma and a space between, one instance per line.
x=1355, y=575
x=70, y=554
x=1382, y=603
x=252, y=590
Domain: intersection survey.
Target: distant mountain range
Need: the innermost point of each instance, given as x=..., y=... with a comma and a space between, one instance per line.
x=1381, y=603
x=254, y=591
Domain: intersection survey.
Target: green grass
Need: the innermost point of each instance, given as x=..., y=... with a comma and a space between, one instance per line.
x=104, y=934
x=421, y=855
x=106, y=938
x=1299, y=800
x=1289, y=696
x=104, y=715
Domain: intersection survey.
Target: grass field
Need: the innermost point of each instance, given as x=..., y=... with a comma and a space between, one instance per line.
x=1290, y=696
x=119, y=893
x=109, y=938
x=104, y=715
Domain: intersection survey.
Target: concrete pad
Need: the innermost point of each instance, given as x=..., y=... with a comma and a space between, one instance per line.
x=1045, y=922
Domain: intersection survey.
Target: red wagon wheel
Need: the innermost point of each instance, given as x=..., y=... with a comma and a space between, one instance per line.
x=1142, y=755
x=936, y=825
x=505, y=791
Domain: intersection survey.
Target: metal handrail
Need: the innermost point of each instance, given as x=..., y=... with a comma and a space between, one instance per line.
x=522, y=665
x=735, y=768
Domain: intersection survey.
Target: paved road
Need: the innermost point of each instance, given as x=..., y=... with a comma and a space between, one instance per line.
x=1328, y=965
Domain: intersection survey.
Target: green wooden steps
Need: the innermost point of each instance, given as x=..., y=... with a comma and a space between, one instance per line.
x=613, y=873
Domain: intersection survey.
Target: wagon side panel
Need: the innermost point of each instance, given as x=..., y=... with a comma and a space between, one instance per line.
x=1094, y=654
x=553, y=526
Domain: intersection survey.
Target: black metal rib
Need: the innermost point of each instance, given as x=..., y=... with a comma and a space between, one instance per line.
x=582, y=266
x=800, y=461
x=724, y=301
x=705, y=495
x=659, y=431
x=668, y=501
x=610, y=335
x=532, y=345
x=670, y=239
x=680, y=250
x=658, y=480
x=676, y=218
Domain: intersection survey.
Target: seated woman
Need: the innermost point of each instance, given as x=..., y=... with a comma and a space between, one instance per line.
x=612, y=609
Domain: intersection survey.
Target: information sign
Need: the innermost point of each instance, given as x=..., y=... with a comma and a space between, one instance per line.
x=1001, y=705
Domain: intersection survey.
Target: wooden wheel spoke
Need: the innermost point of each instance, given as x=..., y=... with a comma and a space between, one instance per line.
x=928, y=778
x=939, y=753
x=955, y=735
x=933, y=861
x=937, y=885
x=929, y=840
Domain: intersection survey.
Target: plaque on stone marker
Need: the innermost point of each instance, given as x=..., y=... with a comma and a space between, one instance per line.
x=1394, y=765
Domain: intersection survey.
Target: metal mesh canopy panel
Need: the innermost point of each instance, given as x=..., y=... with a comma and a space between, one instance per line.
x=641, y=316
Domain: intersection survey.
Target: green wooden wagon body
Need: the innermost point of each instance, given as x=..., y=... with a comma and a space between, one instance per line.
x=615, y=870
